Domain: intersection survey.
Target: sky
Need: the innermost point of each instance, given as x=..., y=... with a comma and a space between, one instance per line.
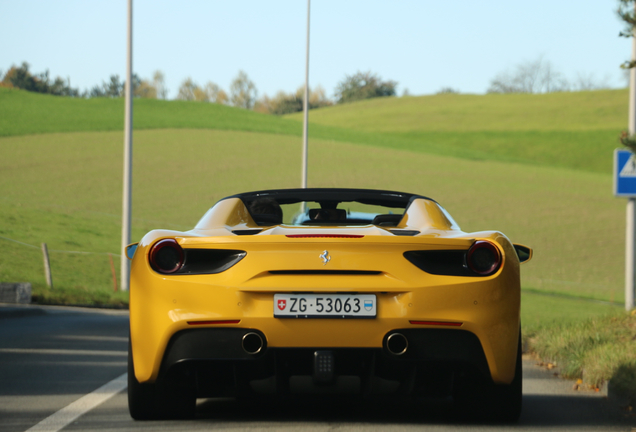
x=423, y=45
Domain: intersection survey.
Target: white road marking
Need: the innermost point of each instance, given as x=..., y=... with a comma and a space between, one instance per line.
x=70, y=413
x=94, y=338
x=62, y=351
x=110, y=364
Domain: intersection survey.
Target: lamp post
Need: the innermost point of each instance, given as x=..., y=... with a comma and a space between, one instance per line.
x=127, y=193
x=306, y=108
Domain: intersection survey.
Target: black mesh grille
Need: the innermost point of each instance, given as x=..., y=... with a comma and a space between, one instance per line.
x=441, y=262
x=209, y=261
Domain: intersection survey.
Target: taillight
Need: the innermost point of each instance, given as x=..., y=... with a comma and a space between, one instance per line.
x=483, y=258
x=166, y=256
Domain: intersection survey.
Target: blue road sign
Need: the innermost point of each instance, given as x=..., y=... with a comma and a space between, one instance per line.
x=624, y=173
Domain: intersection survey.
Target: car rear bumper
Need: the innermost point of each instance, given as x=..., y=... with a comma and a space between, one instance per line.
x=217, y=362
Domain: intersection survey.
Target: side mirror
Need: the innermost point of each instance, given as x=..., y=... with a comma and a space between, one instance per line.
x=523, y=252
x=130, y=250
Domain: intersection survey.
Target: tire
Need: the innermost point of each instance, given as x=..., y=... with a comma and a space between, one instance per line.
x=505, y=400
x=493, y=402
x=159, y=400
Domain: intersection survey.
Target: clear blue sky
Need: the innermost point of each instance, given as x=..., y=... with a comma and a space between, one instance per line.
x=423, y=45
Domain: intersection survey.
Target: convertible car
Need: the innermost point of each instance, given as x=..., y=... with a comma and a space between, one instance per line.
x=325, y=291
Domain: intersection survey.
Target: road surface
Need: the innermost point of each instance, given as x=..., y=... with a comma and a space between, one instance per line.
x=64, y=369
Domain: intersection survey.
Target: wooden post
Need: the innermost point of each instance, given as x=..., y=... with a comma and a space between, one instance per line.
x=112, y=270
x=47, y=266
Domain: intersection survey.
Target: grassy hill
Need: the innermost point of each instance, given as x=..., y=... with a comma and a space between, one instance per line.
x=569, y=130
x=573, y=130
x=574, y=111
x=25, y=113
x=536, y=167
x=61, y=165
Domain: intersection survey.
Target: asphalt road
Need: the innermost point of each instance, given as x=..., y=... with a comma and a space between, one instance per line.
x=51, y=358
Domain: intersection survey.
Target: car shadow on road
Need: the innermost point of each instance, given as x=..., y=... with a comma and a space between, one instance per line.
x=538, y=411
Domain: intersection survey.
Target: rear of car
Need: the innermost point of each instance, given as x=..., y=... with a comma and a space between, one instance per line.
x=333, y=301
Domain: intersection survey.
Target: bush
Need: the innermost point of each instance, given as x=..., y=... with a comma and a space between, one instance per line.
x=21, y=77
x=287, y=103
x=363, y=85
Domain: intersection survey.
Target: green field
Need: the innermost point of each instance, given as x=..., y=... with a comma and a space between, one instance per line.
x=61, y=170
x=536, y=167
x=570, y=130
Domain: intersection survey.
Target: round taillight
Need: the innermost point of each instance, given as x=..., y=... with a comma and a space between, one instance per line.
x=166, y=256
x=483, y=258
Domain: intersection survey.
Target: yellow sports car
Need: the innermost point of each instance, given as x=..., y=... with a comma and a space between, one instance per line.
x=352, y=291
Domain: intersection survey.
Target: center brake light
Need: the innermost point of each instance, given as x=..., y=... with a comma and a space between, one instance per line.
x=324, y=235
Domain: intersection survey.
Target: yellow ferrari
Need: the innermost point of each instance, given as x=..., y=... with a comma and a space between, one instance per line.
x=329, y=291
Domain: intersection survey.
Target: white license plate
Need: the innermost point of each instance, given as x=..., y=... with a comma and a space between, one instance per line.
x=324, y=305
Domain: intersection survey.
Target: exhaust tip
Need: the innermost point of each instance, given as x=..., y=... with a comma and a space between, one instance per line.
x=252, y=343
x=397, y=344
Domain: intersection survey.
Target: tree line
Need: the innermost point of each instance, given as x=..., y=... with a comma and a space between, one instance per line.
x=242, y=92
x=537, y=76
x=540, y=76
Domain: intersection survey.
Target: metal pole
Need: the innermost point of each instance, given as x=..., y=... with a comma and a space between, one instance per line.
x=306, y=108
x=630, y=242
x=127, y=193
x=630, y=234
x=47, y=266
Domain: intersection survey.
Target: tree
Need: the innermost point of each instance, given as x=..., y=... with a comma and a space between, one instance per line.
x=627, y=13
x=200, y=95
x=20, y=77
x=447, y=90
x=215, y=93
x=145, y=89
x=186, y=90
x=285, y=103
x=537, y=76
x=363, y=85
x=317, y=97
x=158, y=82
x=112, y=88
x=586, y=82
x=243, y=91
x=191, y=91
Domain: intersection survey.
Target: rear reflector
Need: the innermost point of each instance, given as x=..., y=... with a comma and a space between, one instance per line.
x=213, y=322
x=324, y=236
x=437, y=323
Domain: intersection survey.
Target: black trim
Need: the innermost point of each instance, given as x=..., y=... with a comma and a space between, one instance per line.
x=442, y=345
x=246, y=231
x=441, y=262
x=391, y=220
x=207, y=343
x=365, y=196
x=214, y=357
x=209, y=261
x=403, y=232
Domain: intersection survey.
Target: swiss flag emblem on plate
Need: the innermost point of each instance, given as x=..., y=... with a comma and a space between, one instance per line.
x=282, y=304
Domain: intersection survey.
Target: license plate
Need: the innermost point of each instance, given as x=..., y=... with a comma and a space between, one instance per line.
x=324, y=305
